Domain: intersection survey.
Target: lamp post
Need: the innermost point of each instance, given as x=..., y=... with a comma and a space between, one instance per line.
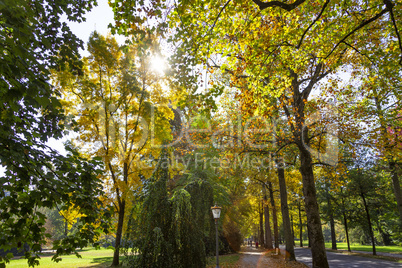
x=216, y=212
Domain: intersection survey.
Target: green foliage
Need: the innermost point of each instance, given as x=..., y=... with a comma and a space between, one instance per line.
x=170, y=229
x=34, y=40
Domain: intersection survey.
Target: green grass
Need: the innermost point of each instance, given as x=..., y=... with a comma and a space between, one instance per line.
x=224, y=260
x=358, y=247
x=90, y=258
x=368, y=248
x=103, y=258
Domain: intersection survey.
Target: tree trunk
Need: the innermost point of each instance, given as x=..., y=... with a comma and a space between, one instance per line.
x=268, y=232
x=300, y=225
x=274, y=215
x=122, y=209
x=332, y=223
x=119, y=233
x=385, y=240
x=285, y=212
x=333, y=235
x=345, y=222
x=369, y=223
x=397, y=188
x=293, y=230
x=313, y=214
x=261, y=233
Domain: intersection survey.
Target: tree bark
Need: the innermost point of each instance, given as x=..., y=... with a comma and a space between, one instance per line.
x=293, y=230
x=285, y=212
x=345, y=223
x=120, y=221
x=274, y=215
x=119, y=233
x=296, y=118
x=300, y=224
x=312, y=210
x=268, y=232
x=397, y=188
x=332, y=223
x=333, y=235
x=261, y=233
x=369, y=223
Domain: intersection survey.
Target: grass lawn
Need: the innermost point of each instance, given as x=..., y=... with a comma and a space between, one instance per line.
x=388, y=249
x=90, y=258
x=103, y=258
x=224, y=260
x=358, y=247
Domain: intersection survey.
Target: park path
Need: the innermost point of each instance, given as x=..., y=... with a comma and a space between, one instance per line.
x=259, y=258
x=339, y=260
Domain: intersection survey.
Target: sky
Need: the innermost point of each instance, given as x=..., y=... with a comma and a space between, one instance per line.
x=97, y=19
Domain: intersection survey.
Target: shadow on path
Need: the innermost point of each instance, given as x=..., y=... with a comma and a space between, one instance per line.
x=252, y=257
x=339, y=260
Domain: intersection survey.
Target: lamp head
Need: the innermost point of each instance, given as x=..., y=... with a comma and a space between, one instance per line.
x=216, y=211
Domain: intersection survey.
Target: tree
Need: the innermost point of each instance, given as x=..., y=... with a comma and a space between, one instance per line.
x=254, y=42
x=175, y=237
x=123, y=117
x=33, y=41
x=285, y=210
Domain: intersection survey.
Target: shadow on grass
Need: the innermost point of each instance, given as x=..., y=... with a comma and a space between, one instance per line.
x=102, y=259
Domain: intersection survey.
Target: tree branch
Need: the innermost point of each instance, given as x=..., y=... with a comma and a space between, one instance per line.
x=287, y=7
x=390, y=6
x=311, y=25
x=358, y=51
x=217, y=17
x=361, y=25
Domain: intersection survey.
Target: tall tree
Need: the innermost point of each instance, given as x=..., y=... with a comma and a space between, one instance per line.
x=34, y=41
x=254, y=42
x=122, y=112
x=362, y=186
x=289, y=240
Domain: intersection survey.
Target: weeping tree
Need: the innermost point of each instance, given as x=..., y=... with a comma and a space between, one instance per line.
x=168, y=230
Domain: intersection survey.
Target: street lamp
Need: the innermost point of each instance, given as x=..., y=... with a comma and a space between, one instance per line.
x=216, y=212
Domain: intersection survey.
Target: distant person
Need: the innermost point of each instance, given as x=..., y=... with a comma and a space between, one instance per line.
x=256, y=244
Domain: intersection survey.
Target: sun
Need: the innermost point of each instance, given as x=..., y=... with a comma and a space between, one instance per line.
x=158, y=64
